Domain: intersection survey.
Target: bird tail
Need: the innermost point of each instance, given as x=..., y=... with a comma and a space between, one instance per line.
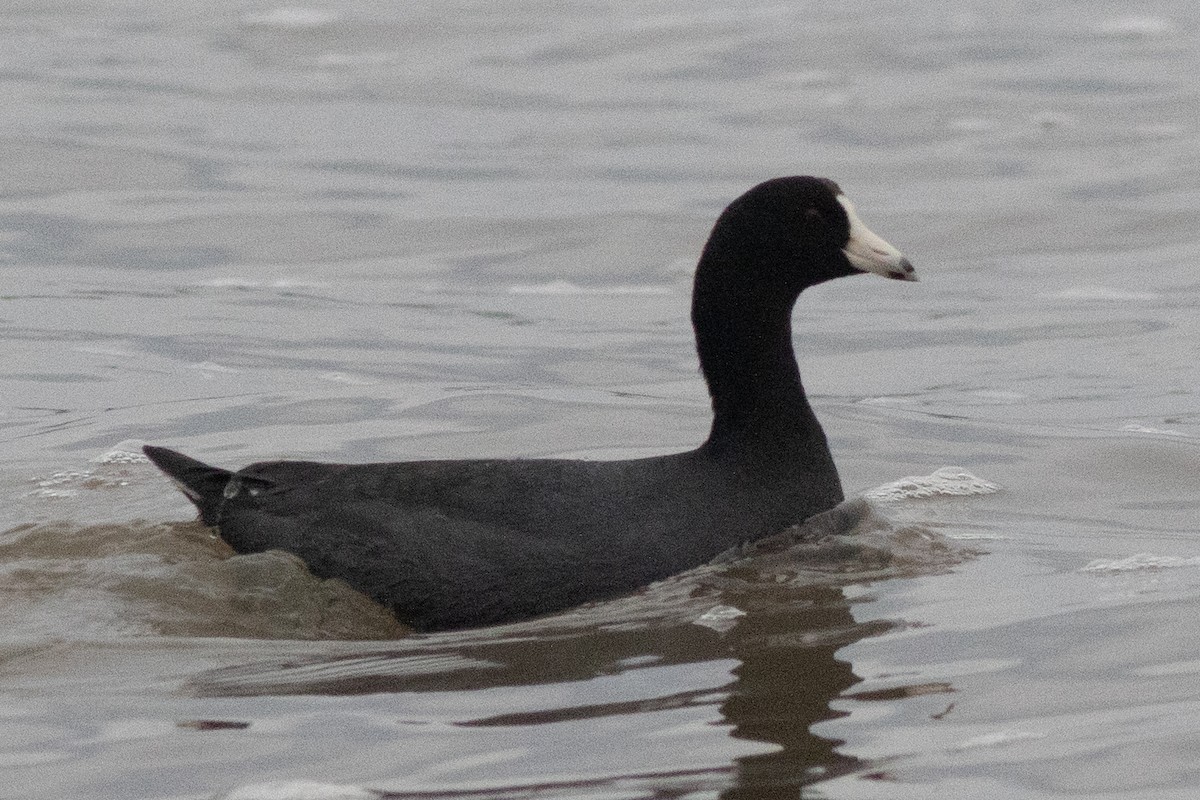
x=204, y=485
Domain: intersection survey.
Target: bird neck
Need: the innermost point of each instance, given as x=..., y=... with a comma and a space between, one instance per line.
x=744, y=340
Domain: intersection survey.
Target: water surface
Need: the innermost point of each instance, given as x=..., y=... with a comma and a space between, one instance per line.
x=392, y=231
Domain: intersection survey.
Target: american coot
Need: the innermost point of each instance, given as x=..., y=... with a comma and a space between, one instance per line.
x=449, y=544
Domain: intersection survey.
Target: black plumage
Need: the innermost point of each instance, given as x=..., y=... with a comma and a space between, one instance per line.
x=449, y=544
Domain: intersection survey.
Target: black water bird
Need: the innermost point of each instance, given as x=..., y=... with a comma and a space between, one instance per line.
x=449, y=544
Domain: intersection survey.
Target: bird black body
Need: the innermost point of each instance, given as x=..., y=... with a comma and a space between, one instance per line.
x=448, y=544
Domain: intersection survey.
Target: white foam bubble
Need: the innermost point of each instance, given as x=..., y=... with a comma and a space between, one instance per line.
x=298, y=790
x=54, y=493
x=127, y=452
x=947, y=481
x=295, y=17
x=1139, y=561
x=59, y=478
x=1133, y=427
x=720, y=618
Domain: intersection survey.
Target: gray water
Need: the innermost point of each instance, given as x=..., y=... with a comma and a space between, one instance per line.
x=401, y=230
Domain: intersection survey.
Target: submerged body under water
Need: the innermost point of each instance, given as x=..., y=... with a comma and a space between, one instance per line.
x=365, y=234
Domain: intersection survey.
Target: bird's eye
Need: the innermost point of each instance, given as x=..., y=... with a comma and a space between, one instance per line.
x=814, y=215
